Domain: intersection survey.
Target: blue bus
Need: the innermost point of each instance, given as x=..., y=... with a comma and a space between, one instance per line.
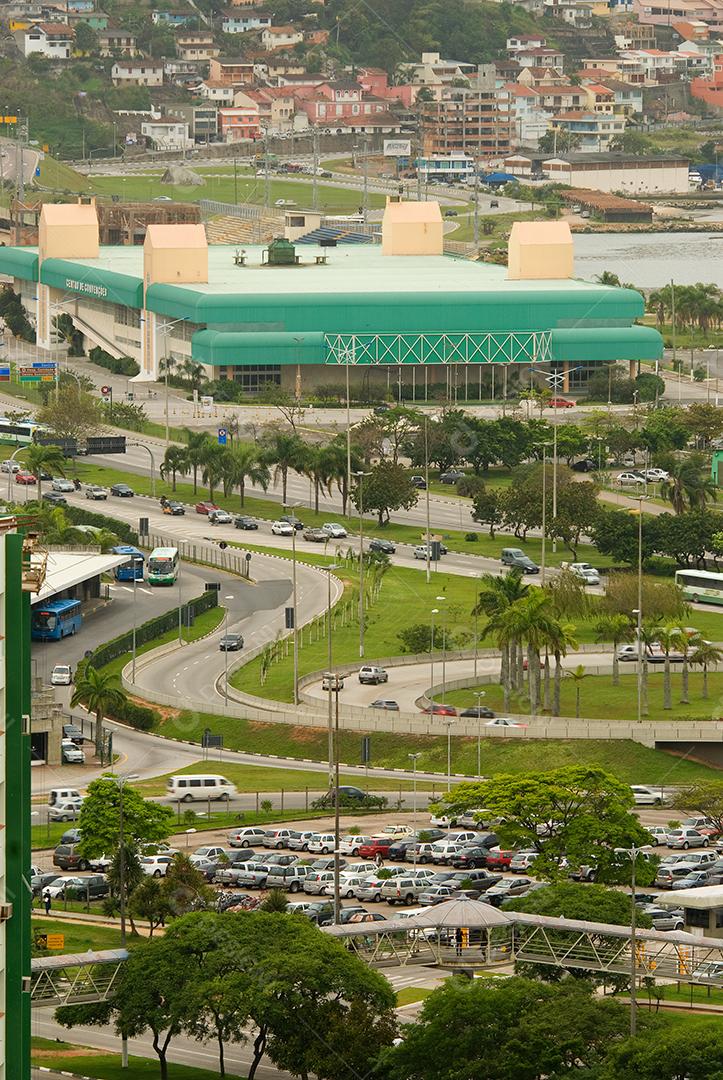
x=131, y=570
x=55, y=619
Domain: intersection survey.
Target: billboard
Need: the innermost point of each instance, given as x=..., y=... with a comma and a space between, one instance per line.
x=397, y=147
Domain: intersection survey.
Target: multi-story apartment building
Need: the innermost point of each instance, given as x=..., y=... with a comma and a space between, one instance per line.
x=196, y=45
x=473, y=119
x=231, y=72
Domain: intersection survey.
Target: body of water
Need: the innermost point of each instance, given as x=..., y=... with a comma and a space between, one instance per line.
x=651, y=260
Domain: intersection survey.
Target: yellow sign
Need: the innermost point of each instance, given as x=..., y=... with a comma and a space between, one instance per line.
x=56, y=941
x=46, y=148
x=10, y=119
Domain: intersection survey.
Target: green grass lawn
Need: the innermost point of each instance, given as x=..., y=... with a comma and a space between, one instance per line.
x=331, y=199
x=83, y=1061
x=599, y=699
x=410, y=994
x=502, y=224
x=250, y=778
x=61, y=177
x=79, y=936
x=628, y=760
x=687, y=994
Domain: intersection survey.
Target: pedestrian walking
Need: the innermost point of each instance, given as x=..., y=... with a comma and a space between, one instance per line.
x=47, y=900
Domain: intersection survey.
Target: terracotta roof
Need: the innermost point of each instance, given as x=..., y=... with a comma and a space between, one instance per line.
x=51, y=29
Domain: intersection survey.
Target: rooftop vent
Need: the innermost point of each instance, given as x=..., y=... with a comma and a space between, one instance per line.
x=280, y=252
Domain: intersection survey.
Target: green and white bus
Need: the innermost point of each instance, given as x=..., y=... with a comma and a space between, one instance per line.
x=700, y=585
x=163, y=566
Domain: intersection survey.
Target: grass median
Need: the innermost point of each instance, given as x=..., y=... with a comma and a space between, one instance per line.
x=73, y=1059
x=600, y=700
x=78, y=936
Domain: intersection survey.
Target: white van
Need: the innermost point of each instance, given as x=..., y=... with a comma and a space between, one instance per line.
x=188, y=788
x=63, y=794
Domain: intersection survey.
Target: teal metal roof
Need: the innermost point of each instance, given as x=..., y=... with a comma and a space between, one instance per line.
x=19, y=262
x=282, y=315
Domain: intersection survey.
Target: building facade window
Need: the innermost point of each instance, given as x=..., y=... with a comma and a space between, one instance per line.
x=253, y=378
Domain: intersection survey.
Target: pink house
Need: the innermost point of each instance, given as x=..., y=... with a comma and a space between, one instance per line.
x=375, y=83
x=340, y=99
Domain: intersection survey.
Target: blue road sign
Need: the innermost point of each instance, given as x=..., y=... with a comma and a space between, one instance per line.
x=222, y=436
x=48, y=365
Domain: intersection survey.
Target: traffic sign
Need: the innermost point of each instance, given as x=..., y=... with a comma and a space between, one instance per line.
x=105, y=389
x=45, y=364
x=56, y=941
x=222, y=436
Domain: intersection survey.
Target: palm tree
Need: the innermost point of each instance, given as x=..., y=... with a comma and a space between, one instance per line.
x=285, y=451
x=212, y=466
x=40, y=459
x=175, y=460
x=192, y=371
x=706, y=653
x=317, y=468
x=615, y=628
x=98, y=691
x=686, y=643
x=577, y=674
x=275, y=901
x=338, y=467
x=58, y=530
x=689, y=486
x=649, y=633
x=562, y=638
x=496, y=597
x=534, y=621
x=667, y=637
x=198, y=442
x=243, y=463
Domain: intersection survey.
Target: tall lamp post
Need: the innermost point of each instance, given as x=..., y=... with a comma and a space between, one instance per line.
x=225, y=655
x=293, y=602
x=439, y=599
x=413, y=759
x=360, y=478
x=335, y=683
x=479, y=694
x=638, y=612
x=449, y=720
x=435, y=611
x=332, y=566
x=137, y=559
x=633, y=853
x=165, y=328
x=121, y=781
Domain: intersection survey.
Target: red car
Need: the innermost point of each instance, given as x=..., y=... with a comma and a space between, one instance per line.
x=560, y=403
x=499, y=860
x=206, y=507
x=378, y=845
x=25, y=478
x=438, y=709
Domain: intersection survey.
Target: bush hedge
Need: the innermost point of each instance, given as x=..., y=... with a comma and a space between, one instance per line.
x=122, y=365
x=78, y=515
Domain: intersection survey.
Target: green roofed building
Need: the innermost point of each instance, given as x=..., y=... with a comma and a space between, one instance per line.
x=296, y=316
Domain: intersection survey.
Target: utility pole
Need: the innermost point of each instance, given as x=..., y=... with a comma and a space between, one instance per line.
x=315, y=166
x=476, y=207
x=235, y=180
x=419, y=155
x=267, y=175
x=22, y=134
x=365, y=199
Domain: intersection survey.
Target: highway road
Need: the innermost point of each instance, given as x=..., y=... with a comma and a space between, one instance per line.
x=409, y=682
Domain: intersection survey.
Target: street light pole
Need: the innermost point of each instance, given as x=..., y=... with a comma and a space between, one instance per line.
x=334, y=681
x=449, y=721
x=633, y=950
x=435, y=611
x=426, y=496
x=225, y=655
x=293, y=602
x=444, y=648
x=479, y=694
x=360, y=477
x=329, y=569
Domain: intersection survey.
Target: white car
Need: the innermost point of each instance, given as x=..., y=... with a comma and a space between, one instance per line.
x=246, y=837
x=10, y=466
x=441, y=821
x=61, y=484
x=70, y=753
x=400, y=831
x=220, y=517
x=349, y=845
x=629, y=478
x=61, y=675
x=67, y=810
x=658, y=833
x=503, y=721
x=282, y=528
x=156, y=865
x=321, y=843
x=656, y=476
x=336, y=532
x=96, y=492
x=647, y=796
x=586, y=573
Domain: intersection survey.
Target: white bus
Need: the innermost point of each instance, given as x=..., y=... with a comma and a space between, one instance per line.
x=19, y=432
x=163, y=566
x=700, y=585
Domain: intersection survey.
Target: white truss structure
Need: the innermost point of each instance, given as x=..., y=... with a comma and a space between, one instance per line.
x=75, y=979
x=522, y=347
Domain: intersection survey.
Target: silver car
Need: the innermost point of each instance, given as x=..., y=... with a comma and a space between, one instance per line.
x=664, y=919
x=289, y=878
x=371, y=889
x=687, y=838
x=315, y=883
x=404, y=890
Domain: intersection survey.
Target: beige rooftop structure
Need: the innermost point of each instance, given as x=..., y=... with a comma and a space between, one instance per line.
x=540, y=250
x=412, y=228
x=175, y=254
x=702, y=909
x=68, y=231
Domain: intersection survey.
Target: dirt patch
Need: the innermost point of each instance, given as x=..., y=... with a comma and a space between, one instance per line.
x=81, y=1051
x=302, y=735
